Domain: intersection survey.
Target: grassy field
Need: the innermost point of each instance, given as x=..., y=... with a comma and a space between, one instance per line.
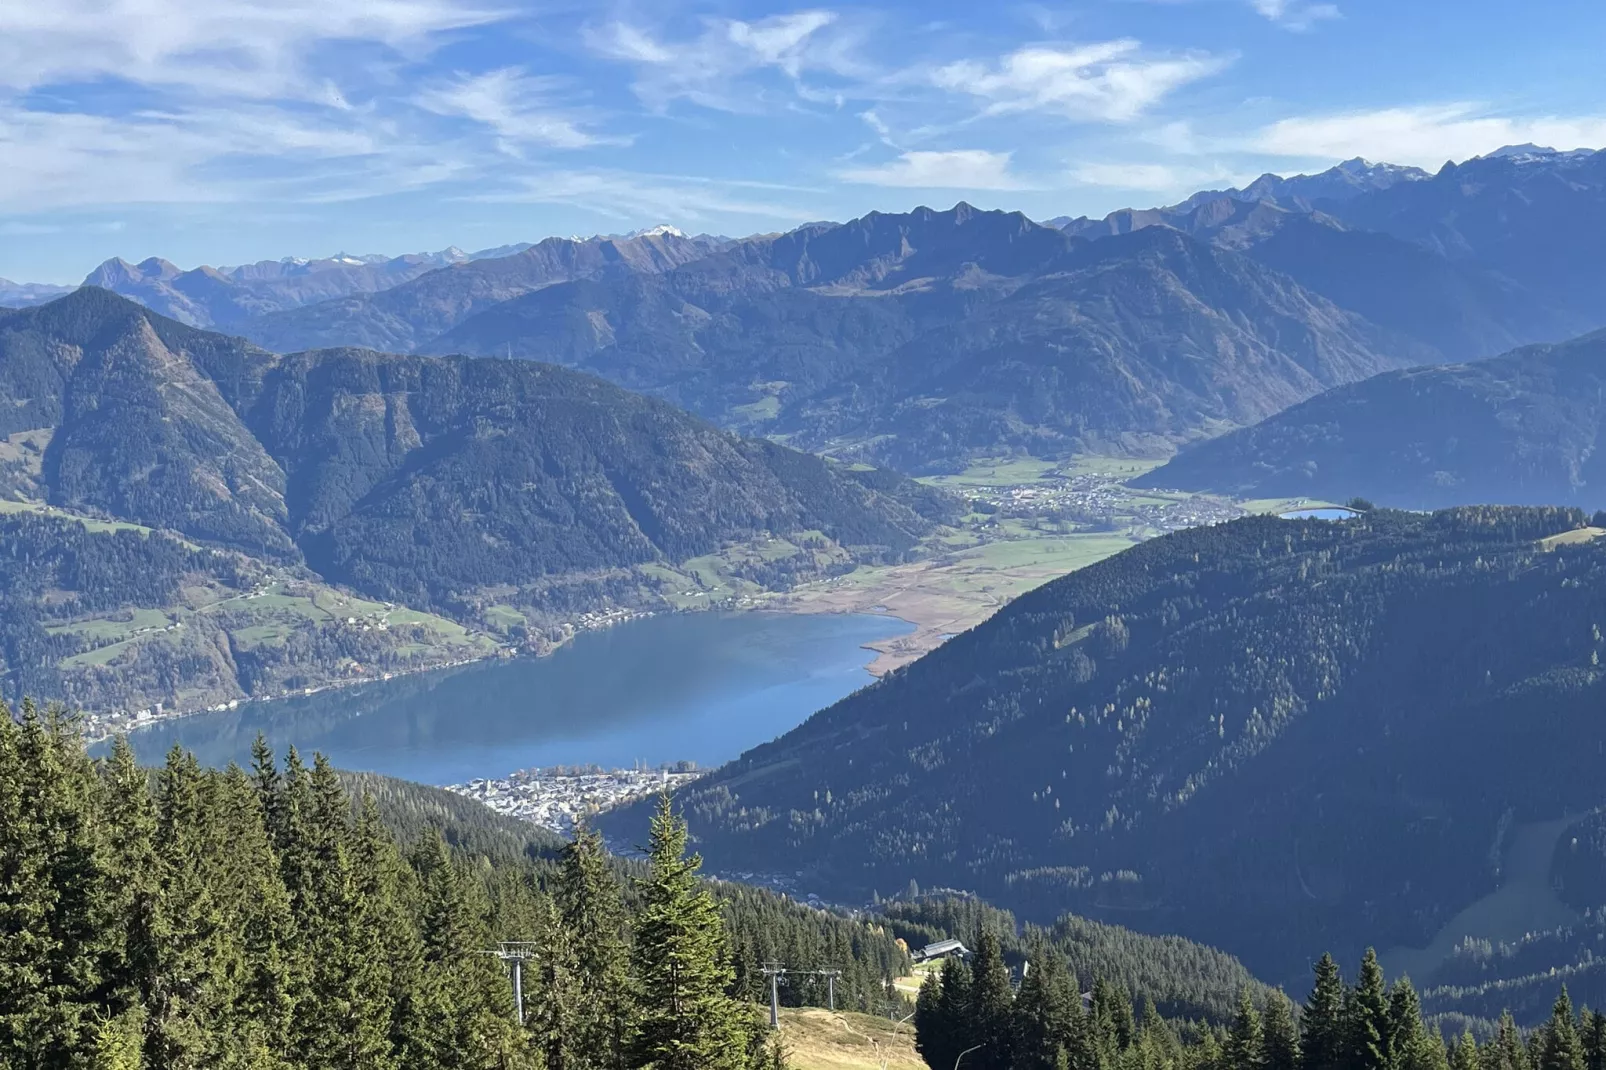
x=816, y=1039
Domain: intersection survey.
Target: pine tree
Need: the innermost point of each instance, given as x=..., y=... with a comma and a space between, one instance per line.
x=685, y=1021
x=1463, y=1053
x=257, y=910
x=128, y=852
x=1506, y=1050
x=1367, y=1028
x=1559, y=1045
x=51, y=889
x=1245, y=1046
x=1281, y=1045
x=1043, y=1020
x=991, y=1003
x=1412, y=1044
x=1322, y=1039
x=934, y=1029
x=592, y=916
x=1592, y=1032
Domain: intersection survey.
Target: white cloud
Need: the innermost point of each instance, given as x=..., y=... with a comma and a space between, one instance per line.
x=1152, y=177
x=1295, y=14
x=513, y=105
x=654, y=198
x=955, y=169
x=1424, y=135
x=245, y=48
x=1112, y=81
x=706, y=68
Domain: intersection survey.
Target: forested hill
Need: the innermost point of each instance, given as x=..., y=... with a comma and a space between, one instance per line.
x=918, y=339
x=1521, y=428
x=1266, y=735
x=426, y=481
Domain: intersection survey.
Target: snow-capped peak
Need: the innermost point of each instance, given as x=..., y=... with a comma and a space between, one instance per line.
x=661, y=230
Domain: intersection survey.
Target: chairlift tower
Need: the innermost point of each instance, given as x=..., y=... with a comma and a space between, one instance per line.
x=775, y=971
x=515, y=953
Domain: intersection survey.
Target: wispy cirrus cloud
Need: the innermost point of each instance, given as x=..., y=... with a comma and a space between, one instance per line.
x=243, y=48
x=627, y=195
x=1424, y=135
x=711, y=68
x=1108, y=81
x=1297, y=15
x=954, y=169
x=517, y=107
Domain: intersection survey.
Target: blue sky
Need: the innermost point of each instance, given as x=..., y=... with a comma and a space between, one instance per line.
x=224, y=131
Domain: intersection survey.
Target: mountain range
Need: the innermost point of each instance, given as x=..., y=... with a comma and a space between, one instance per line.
x=228, y=296
x=23, y=294
x=917, y=340
x=405, y=317
x=1268, y=735
x=1522, y=428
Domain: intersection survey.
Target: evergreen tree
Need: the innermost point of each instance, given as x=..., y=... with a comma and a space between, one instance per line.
x=1592, y=1032
x=1245, y=1045
x=991, y=1004
x=1281, y=1045
x=1322, y=1034
x=1367, y=1026
x=685, y=1021
x=1043, y=1010
x=1559, y=1045
x=1413, y=1046
x=1506, y=1050
x=51, y=943
x=128, y=852
x=934, y=1029
x=1463, y=1053
x=592, y=916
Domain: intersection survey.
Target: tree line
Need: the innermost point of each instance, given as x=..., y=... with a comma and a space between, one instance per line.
x=973, y=1014
x=256, y=919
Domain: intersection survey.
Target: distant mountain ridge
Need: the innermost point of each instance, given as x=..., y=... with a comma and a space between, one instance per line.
x=227, y=296
x=1523, y=428
x=24, y=294
x=917, y=339
x=404, y=317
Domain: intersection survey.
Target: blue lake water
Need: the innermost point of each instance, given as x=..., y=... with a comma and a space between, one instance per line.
x=701, y=687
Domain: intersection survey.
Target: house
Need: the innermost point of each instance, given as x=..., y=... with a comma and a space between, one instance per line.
x=942, y=949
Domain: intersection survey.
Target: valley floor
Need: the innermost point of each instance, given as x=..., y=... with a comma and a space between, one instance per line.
x=1044, y=519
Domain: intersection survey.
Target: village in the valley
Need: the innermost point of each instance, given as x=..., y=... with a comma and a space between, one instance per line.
x=560, y=797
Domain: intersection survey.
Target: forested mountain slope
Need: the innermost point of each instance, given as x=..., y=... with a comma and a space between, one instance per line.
x=449, y=483
x=1522, y=428
x=1265, y=735
x=918, y=339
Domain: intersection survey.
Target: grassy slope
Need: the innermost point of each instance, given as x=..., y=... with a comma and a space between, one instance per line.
x=816, y=1039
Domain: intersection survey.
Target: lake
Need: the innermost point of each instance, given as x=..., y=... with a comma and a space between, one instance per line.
x=701, y=687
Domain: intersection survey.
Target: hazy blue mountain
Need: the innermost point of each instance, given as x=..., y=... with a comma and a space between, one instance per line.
x=916, y=340
x=1266, y=735
x=23, y=294
x=1521, y=428
x=224, y=297
x=1497, y=252
x=406, y=317
x=1347, y=180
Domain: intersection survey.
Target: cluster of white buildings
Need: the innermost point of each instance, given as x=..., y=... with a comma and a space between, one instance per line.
x=560, y=797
